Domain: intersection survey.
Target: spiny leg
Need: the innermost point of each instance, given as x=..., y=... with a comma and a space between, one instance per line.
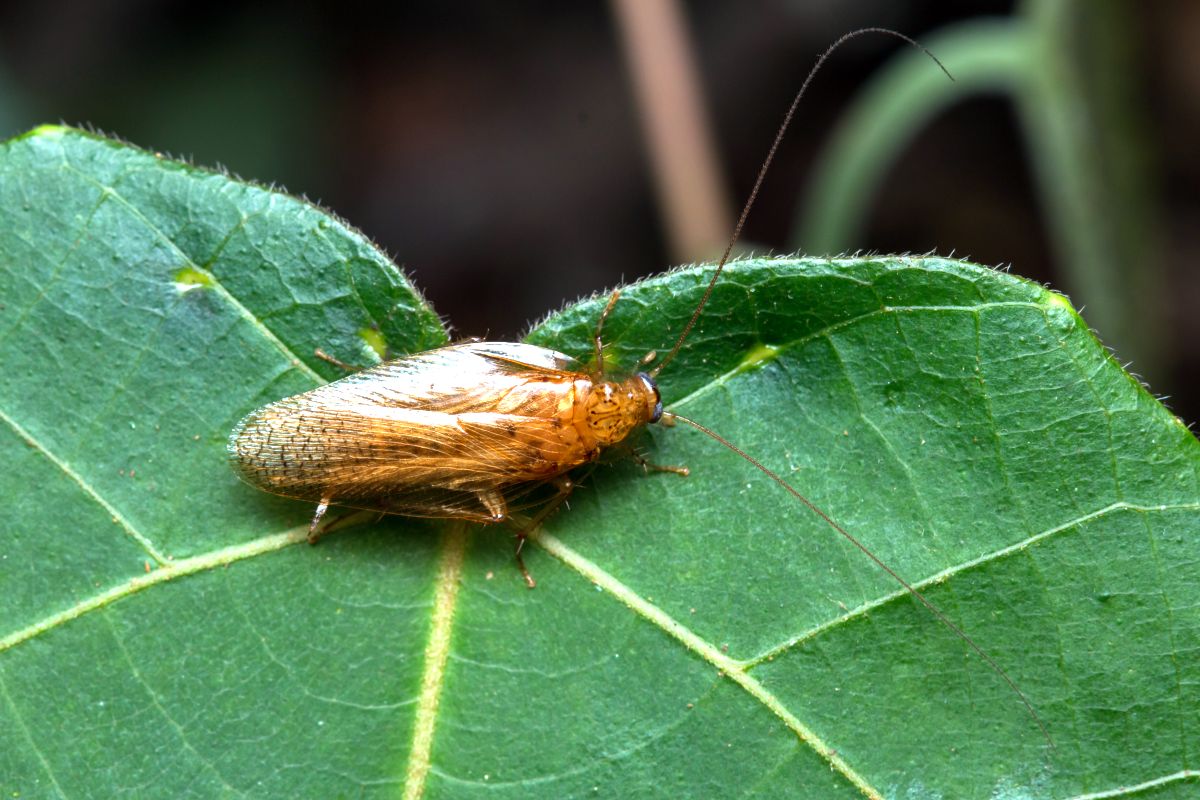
x=565, y=486
x=668, y=419
x=650, y=466
x=497, y=507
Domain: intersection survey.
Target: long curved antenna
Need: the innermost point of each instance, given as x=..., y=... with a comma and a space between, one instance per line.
x=762, y=174
x=912, y=590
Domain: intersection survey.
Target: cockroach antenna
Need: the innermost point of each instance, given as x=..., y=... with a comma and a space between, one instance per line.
x=687, y=329
x=908, y=587
x=766, y=165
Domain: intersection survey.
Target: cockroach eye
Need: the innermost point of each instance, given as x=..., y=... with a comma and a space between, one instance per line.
x=652, y=386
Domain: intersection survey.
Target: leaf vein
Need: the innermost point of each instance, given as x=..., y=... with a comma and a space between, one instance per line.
x=950, y=572
x=162, y=710
x=828, y=331
x=56, y=273
x=1183, y=775
x=88, y=489
x=28, y=736
x=705, y=650
x=169, y=571
x=216, y=285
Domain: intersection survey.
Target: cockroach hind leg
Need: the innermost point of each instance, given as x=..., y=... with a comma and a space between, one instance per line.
x=317, y=531
x=313, y=532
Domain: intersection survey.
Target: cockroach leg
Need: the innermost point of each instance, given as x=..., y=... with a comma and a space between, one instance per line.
x=493, y=501
x=322, y=507
x=650, y=466
x=612, y=301
x=565, y=486
x=321, y=354
x=529, y=581
x=344, y=521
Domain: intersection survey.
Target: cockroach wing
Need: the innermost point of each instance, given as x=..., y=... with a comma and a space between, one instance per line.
x=469, y=431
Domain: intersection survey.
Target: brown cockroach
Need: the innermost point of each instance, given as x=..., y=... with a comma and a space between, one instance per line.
x=474, y=430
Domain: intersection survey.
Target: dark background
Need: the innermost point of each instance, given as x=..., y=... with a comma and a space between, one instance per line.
x=494, y=149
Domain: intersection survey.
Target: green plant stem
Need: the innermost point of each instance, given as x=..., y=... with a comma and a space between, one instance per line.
x=1058, y=66
x=983, y=56
x=1089, y=159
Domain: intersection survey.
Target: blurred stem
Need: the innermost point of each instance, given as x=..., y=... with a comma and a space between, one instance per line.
x=676, y=131
x=1064, y=63
x=889, y=112
x=1089, y=154
x=15, y=111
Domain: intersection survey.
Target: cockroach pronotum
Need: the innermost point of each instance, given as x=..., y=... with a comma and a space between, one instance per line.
x=480, y=430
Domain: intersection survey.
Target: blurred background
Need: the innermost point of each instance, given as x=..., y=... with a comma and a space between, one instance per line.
x=516, y=156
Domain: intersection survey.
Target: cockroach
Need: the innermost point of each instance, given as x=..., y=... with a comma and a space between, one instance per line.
x=478, y=430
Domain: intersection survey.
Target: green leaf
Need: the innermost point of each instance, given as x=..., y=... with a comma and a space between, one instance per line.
x=165, y=632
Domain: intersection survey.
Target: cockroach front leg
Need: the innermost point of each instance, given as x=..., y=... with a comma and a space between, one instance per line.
x=650, y=466
x=667, y=420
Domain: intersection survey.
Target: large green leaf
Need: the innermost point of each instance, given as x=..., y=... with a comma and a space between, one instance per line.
x=165, y=633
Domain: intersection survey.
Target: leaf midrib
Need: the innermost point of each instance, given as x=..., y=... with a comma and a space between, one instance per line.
x=436, y=654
